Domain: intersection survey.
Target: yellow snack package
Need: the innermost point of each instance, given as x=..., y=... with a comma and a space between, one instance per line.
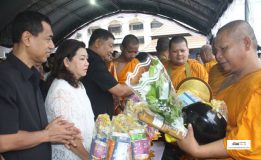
x=169, y=138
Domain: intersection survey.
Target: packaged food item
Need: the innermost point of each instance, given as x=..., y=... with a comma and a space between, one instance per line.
x=152, y=133
x=123, y=147
x=186, y=98
x=158, y=123
x=98, y=150
x=141, y=149
x=137, y=134
x=169, y=138
x=140, y=144
x=123, y=123
x=103, y=126
x=133, y=108
x=111, y=147
x=123, y=138
x=99, y=145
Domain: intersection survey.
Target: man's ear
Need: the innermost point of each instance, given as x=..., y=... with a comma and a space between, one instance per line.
x=66, y=62
x=98, y=42
x=25, y=38
x=247, y=42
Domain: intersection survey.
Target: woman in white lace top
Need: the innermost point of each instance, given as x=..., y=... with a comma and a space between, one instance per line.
x=67, y=97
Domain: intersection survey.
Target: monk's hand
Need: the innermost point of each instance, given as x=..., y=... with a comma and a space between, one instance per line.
x=58, y=131
x=189, y=143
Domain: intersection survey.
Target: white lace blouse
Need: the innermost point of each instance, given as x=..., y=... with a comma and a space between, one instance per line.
x=74, y=104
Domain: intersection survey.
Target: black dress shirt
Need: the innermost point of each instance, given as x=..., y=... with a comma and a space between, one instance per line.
x=97, y=82
x=22, y=106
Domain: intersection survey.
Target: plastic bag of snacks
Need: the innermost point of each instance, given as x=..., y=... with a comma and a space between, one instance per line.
x=140, y=144
x=152, y=84
x=123, y=123
x=122, y=138
x=133, y=108
x=130, y=146
x=99, y=149
x=120, y=147
x=99, y=145
x=103, y=126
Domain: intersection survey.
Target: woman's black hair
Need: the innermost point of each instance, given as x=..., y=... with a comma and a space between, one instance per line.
x=68, y=50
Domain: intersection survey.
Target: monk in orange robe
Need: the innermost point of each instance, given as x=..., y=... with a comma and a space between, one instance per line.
x=180, y=67
x=125, y=63
x=235, y=47
x=121, y=76
x=207, y=57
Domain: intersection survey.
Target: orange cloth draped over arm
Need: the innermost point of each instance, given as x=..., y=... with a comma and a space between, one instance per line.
x=112, y=69
x=129, y=67
x=122, y=75
x=177, y=73
x=243, y=100
x=119, y=102
x=209, y=65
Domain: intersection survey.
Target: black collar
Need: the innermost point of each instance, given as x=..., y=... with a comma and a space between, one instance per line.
x=23, y=68
x=93, y=54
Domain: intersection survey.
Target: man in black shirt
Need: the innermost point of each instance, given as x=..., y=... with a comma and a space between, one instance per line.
x=24, y=131
x=99, y=83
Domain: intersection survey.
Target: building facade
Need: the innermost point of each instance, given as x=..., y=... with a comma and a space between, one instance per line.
x=147, y=28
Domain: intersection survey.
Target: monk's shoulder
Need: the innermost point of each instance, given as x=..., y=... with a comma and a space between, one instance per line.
x=194, y=64
x=253, y=80
x=135, y=60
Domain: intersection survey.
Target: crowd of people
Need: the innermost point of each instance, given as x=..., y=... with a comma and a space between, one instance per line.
x=55, y=120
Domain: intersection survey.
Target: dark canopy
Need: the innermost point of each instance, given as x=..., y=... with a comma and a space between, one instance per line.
x=68, y=15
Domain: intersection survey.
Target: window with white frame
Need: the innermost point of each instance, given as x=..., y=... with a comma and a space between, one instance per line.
x=136, y=26
x=155, y=24
x=115, y=29
x=141, y=39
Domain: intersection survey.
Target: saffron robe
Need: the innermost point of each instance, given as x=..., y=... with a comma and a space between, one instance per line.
x=243, y=100
x=121, y=75
x=178, y=73
x=209, y=65
x=215, y=78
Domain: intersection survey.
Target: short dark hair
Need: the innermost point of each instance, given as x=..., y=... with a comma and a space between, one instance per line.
x=129, y=39
x=66, y=49
x=30, y=21
x=178, y=39
x=100, y=34
x=162, y=44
